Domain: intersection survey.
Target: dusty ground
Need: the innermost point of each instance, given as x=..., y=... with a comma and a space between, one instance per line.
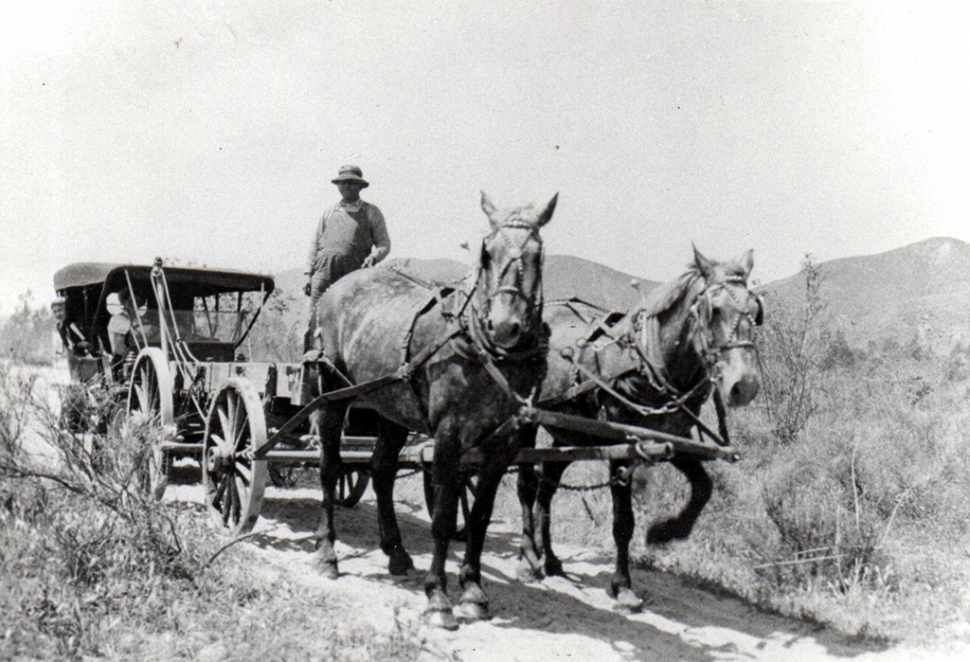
x=557, y=619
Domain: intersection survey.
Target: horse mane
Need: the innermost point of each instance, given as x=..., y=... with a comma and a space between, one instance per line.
x=669, y=294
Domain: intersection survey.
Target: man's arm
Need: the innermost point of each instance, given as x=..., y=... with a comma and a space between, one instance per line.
x=315, y=244
x=314, y=249
x=379, y=237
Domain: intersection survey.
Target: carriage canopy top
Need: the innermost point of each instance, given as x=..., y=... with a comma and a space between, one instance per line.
x=187, y=281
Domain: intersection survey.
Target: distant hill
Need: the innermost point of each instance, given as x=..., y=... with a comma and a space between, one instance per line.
x=567, y=276
x=921, y=290
x=564, y=276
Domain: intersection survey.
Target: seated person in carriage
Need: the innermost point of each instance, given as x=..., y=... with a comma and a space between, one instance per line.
x=72, y=338
x=128, y=330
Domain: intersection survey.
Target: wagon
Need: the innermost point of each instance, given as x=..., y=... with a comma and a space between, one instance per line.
x=186, y=354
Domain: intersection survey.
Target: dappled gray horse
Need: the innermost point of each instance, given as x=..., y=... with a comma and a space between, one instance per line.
x=462, y=361
x=653, y=368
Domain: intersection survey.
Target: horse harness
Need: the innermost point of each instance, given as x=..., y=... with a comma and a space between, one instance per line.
x=640, y=336
x=463, y=318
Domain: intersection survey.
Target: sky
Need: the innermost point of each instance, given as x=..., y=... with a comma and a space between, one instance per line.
x=208, y=132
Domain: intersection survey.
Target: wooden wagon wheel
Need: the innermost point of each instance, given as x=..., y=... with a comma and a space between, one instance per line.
x=149, y=415
x=466, y=499
x=351, y=486
x=284, y=474
x=233, y=482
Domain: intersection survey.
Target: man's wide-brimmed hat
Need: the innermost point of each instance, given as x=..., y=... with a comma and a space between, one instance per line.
x=351, y=173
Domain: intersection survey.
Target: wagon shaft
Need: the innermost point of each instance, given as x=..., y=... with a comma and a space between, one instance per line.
x=621, y=432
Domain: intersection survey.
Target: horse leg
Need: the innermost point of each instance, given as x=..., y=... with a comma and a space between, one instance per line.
x=384, y=465
x=549, y=476
x=527, y=488
x=473, y=605
x=446, y=476
x=328, y=420
x=623, y=523
x=701, y=487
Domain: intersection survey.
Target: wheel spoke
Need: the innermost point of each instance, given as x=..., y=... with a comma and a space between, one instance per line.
x=224, y=423
x=219, y=441
x=140, y=396
x=245, y=472
x=242, y=435
x=230, y=499
x=220, y=492
x=145, y=389
x=242, y=490
x=236, y=499
x=232, y=401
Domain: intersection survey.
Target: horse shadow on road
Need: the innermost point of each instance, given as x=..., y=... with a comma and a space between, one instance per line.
x=678, y=621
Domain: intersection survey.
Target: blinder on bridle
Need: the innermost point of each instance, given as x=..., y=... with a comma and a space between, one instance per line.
x=703, y=312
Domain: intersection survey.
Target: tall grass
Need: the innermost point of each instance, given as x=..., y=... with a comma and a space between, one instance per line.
x=851, y=505
x=89, y=566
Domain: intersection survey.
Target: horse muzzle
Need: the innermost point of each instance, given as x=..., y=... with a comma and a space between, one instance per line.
x=510, y=321
x=506, y=333
x=743, y=391
x=739, y=381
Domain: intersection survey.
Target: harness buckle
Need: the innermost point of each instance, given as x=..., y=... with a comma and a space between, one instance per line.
x=624, y=475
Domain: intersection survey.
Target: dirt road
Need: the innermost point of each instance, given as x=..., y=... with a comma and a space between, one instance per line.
x=557, y=619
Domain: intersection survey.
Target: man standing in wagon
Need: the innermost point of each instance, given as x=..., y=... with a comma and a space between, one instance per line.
x=350, y=235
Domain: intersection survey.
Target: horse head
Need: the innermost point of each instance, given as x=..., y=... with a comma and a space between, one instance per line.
x=507, y=298
x=722, y=321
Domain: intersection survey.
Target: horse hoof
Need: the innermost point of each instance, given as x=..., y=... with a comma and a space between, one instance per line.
x=328, y=569
x=472, y=611
x=399, y=566
x=526, y=574
x=665, y=532
x=627, y=602
x=438, y=618
x=554, y=568
x=658, y=535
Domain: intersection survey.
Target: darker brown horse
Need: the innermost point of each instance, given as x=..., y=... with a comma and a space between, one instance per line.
x=653, y=368
x=464, y=361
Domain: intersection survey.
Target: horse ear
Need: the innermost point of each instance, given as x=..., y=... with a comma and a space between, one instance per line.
x=488, y=206
x=705, y=266
x=747, y=261
x=546, y=214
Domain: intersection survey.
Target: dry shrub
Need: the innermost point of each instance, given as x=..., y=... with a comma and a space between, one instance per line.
x=79, y=542
x=794, y=348
x=91, y=567
x=856, y=512
x=826, y=533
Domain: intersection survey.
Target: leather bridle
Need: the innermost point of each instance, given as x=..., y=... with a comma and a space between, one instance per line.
x=513, y=264
x=702, y=312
